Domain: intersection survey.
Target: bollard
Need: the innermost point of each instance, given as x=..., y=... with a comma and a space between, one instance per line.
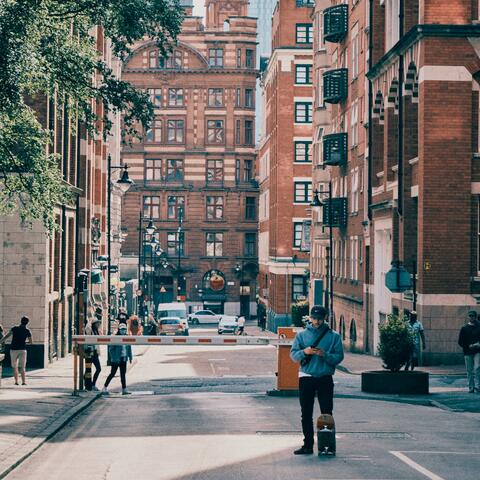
x=88, y=373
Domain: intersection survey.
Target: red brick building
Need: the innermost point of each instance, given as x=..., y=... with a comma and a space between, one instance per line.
x=197, y=162
x=285, y=161
x=419, y=156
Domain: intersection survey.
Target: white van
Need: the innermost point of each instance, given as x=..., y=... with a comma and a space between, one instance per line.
x=174, y=309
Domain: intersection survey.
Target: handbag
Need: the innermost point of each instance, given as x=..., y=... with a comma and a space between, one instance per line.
x=307, y=359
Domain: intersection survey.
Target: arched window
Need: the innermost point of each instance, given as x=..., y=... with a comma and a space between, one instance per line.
x=342, y=327
x=353, y=331
x=153, y=59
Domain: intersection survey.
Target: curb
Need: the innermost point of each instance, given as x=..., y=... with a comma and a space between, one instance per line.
x=35, y=443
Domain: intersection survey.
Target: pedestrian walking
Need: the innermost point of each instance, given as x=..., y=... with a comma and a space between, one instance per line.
x=93, y=351
x=118, y=356
x=152, y=326
x=319, y=350
x=469, y=340
x=241, y=325
x=122, y=316
x=21, y=335
x=134, y=326
x=419, y=343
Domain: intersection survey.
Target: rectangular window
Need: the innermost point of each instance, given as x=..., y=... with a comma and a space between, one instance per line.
x=249, y=98
x=355, y=51
x=303, y=152
x=215, y=97
x=175, y=244
x=249, y=245
x=237, y=170
x=174, y=170
x=303, y=74
x=238, y=132
x=297, y=234
x=151, y=207
x=239, y=57
x=175, y=206
x=215, y=132
x=155, y=95
x=354, y=123
x=303, y=192
x=250, y=208
x=238, y=98
x=247, y=170
x=214, y=171
x=299, y=287
x=175, y=131
x=154, y=134
x=215, y=57
x=354, y=258
x=248, y=132
x=249, y=58
x=214, y=208
x=354, y=190
x=320, y=44
x=303, y=33
x=175, y=97
x=153, y=169
x=303, y=112
x=214, y=244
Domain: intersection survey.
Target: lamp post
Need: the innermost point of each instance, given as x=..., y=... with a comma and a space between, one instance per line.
x=239, y=270
x=142, y=242
x=317, y=203
x=179, y=250
x=124, y=183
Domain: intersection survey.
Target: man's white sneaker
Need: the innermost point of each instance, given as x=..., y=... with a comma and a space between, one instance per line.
x=125, y=392
x=105, y=391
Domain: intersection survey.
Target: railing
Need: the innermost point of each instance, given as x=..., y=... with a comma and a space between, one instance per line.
x=335, y=23
x=335, y=85
x=335, y=149
x=335, y=212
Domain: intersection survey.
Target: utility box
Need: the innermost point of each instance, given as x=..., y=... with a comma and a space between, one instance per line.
x=287, y=374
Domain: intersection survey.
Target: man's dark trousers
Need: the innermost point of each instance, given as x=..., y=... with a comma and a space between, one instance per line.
x=309, y=387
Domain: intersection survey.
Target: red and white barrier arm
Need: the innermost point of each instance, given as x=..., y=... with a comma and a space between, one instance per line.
x=166, y=340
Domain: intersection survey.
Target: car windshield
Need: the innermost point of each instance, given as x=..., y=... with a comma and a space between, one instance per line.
x=171, y=313
x=170, y=321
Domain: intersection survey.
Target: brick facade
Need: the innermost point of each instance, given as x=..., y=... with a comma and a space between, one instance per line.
x=208, y=88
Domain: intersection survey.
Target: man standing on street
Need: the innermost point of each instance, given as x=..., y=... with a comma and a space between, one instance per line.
x=319, y=350
x=469, y=340
x=21, y=335
x=416, y=327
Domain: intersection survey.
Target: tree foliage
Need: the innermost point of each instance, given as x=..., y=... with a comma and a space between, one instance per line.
x=396, y=342
x=47, y=47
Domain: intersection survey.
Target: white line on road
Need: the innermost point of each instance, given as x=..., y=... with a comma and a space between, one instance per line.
x=416, y=466
x=436, y=452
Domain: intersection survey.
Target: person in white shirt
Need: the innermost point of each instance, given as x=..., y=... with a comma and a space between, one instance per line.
x=241, y=325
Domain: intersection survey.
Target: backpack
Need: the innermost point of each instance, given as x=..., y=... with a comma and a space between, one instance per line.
x=135, y=323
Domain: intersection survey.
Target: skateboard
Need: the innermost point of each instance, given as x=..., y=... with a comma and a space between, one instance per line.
x=326, y=435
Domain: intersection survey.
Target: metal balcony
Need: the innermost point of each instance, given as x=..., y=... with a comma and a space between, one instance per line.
x=335, y=23
x=335, y=212
x=335, y=85
x=335, y=149
x=305, y=3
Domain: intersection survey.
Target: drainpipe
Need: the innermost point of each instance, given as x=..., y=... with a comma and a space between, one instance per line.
x=400, y=115
x=370, y=113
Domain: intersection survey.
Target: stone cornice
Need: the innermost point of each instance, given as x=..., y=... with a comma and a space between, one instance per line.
x=417, y=33
x=190, y=71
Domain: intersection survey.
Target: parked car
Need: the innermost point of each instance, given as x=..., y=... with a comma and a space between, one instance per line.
x=204, y=316
x=174, y=309
x=228, y=324
x=171, y=326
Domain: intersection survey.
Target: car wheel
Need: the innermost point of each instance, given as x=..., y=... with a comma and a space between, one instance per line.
x=195, y=321
x=219, y=332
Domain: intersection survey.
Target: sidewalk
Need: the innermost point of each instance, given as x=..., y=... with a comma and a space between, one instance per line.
x=31, y=414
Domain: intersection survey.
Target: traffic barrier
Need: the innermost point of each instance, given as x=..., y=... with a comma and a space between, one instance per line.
x=230, y=340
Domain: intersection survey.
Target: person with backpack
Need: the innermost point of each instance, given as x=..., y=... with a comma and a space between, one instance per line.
x=319, y=350
x=118, y=355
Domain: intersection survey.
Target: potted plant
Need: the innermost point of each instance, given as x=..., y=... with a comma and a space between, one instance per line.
x=395, y=347
x=299, y=311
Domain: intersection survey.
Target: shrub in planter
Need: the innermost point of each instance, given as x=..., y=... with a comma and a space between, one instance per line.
x=396, y=343
x=299, y=310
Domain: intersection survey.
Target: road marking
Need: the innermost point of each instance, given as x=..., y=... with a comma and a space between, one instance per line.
x=436, y=452
x=416, y=466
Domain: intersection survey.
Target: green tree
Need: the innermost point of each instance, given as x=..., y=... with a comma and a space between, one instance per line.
x=396, y=342
x=47, y=48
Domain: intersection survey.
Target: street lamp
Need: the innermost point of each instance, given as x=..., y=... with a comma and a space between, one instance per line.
x=124, y=183
x=179, y=250
x=318, y=203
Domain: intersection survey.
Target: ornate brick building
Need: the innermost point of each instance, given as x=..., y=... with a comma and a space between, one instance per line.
x=285, y=161
x=418, y=154
x=194, y=170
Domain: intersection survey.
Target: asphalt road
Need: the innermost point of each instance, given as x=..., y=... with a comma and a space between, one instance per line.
x=201, y=413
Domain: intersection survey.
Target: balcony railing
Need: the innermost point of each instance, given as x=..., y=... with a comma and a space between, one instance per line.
x=305, y=3
x=335, y=212
x=335, y=149
x=335, y=23
x=335, y=85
